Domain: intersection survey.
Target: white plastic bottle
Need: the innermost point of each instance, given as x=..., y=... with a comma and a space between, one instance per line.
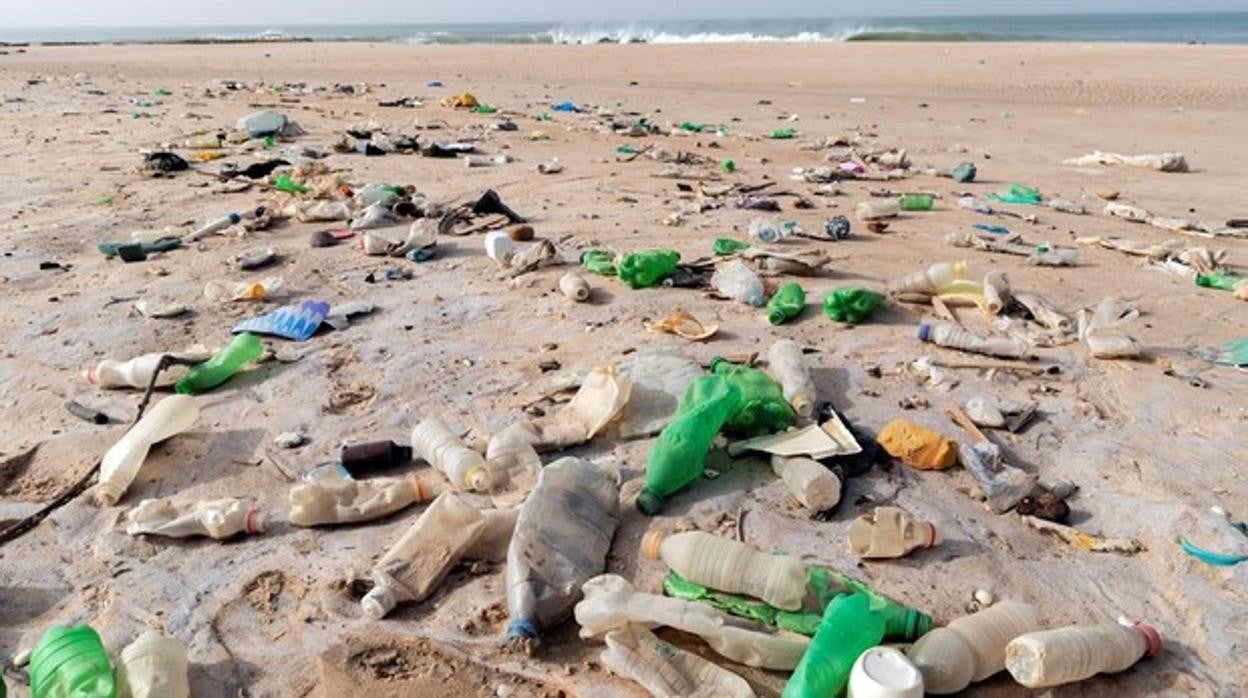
x=574, y=286
x=889, y=532
x=499, y=247
x=666, y=670
x=219, y=291
x=810, y=483
x=413, y=566
x=877, y=210
x=465, y=468
x=135, y=373
x=971, y=648
x=336, y=500
x=497, y=526
x=737, y=281
x=319, y=211
x=930, y=280
x=1065, y=655
x=729, y=566
x=953, y=337
x=883, y=672
x=153, y=666
x=217, y=518
x=173, y=415
x=784, y=358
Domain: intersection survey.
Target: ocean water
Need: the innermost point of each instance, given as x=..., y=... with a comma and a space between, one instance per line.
x=1210, y=27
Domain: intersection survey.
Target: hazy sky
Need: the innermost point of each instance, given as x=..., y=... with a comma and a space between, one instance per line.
x=79, y=13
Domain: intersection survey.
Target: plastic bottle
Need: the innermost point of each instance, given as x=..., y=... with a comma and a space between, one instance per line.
x=417, y=562
x=603, y=393
x=320, y=211
x=377, y=215
x=574, y=286
x=218, y=518
x=173, y=415
x=953, y=337
x=135, y=373
x=499, y=247
x=737, y=281
x=153, y=666
x=813, y=485
x=245, y=349
x=486, y=160
x=284, y=183
x=497, y=527
x=219, y=224
x=786, y=304
x=338, y=500
x=611, y=603
x=218, y=291
x=850, y=627
x=374, y=193
x=889, y=532
x=883, y=672
x=784, y=358
x=71, y=662
x=666, y=670
x=1065, y=655
x=916, y=202
x=364, y=459
x=562, y=537
x=465, y=468
x=971, y=648
x=930, y=280
x=851, y=304
x=1223, y=282
x=763, y=408
x=645, y=269
x=730, y=566
x=877, y=210
x=767, y=231
x=678, y=456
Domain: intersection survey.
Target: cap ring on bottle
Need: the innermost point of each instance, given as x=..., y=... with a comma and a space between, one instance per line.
x=1151, y=636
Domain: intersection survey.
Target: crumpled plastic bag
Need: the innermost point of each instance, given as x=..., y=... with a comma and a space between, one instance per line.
x=1102, y=331
x=660, y=373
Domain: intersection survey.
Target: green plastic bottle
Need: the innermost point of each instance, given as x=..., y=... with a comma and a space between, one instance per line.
x=678, y=456
x=599, y=262
x=783, y=133
x=245, y=349
x=70, y=662
x=1218, y=280
x=763, y=409
x=727, y=246
x=645, y=269
x=788, y=302
x=693, y=126
x=916, y=202
x=851, y=304
x=849, y=627
x=283, y=182
x=728, y=165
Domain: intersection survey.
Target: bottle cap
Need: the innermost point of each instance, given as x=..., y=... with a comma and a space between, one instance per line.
x=649, y=503
x=959, y=268
x=106, y=494
x=378, y=602
x=255, y=521
x=479, y=480
x=525, y=629
x=925, y=332
x=917, y=624
x=883, y=672
x=651, y=544
x=931, y=533
x=1151, y=635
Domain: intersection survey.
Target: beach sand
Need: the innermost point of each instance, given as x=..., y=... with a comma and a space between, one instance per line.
x=277, y=615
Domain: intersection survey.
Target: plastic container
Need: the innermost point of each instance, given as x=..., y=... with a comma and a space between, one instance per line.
x=730, y=566
x=917, y=446
x=465, y=468
x=877, y=210
x=786, y=303
x=851, y=304
x=603, y=393
x=784, y=358
x=767, y=231
x=70, y=662
x=1065, y=655
x=217, y=518
x=377, y=215
x=763, y=408
x=666, y=670
x=889, y=532
x=153, y=666
x=245, y=349
x=321, y=211
x=135, y=373
x=971, y=648
x=173, y=415
x=648, y=268
x=331, y=499
x=737, y=281
x=678, y=456
x=371, y=457
x=561, y=540
x=883, y=672
x=574, y=286
x=811, y=484
x=222, y=291
x=499, y=247
x=916, y=202
x=420, y=559
x=952, y=337
x=929, y=281
x=850, y=627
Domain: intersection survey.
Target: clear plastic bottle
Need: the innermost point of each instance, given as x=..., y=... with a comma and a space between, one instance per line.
x=374, y=216
x=153, y=666
x=767, y=231
x=465, y=468
x=319, y=211
x=497, y=527
x=884, y=672
x=811, y=483
x=737, y=281
x=784, y=358
x=930, y=280
x=374, y=193
x=561, y=540
x=413, y=566
x=217, y=518
x=971, y=648
x=666, y=670
x=173, y=415
x=889, y=532
x=574, y=286
x=331, y=500
x=1065, y=655
x=220, y=291
x=953, y=337
x=877, y=210
x=730, y=566
x=134, y=373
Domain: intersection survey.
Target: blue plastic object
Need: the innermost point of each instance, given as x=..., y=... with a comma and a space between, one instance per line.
x=293, y=323
x=564, y=106
x=994, y=229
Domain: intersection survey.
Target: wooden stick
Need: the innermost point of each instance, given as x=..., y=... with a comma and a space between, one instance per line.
x=955, y=411
x=998, y=364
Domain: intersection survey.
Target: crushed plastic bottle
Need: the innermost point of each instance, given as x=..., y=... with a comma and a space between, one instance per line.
x=666, y=670
x=767, y=231
x=851, y=304
x=1066, y=655
x=216, y=518
x=786, y=303
x=336, y=498
x=648, y=268
x=763, y=408
x=173, y=415
x=153, y=666
x=889, y=532
x=814, y=486
x=850, y=627
x=737, y=281
x=730, y=566
x=134, y=373
x=784, y=358
x=971, y=648
x=244, y=349
x=70, y=662
x=953, y=337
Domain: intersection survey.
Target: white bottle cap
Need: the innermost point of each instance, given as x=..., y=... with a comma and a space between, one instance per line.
x=378, y=602
x=883, y=672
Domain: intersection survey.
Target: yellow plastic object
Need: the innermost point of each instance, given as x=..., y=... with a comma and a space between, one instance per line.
x=917, y=446
x=208, y=155
x=463, y=100
x=964, y=292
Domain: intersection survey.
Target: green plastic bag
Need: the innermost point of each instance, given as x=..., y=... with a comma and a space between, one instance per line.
x=678, y=456
x=283, y=182
x=849, y=627
x=763, y=409
x=599, y=262
x=727, y=246
x=786, y=304
x=1018, y=194
x=783, y=133
x=851, y=304
x=645, y=269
